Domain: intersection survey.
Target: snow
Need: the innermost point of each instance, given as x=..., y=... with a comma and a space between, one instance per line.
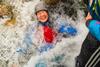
x=12, y=37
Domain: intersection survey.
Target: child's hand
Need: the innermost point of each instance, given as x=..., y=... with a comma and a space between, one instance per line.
x=88, y=17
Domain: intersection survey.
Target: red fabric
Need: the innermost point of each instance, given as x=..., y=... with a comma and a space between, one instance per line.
x=49, y=34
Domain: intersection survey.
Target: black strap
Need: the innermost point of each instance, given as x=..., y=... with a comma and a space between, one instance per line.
x=98, y=8
x=91, y=6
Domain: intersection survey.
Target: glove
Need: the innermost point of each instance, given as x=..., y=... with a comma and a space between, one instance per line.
x=68, y=30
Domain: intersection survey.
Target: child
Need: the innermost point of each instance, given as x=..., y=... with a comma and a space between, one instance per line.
x=49, y=32
x=45, y=33
x=90, y=51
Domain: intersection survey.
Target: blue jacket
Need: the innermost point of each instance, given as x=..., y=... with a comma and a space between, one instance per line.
x=94, y=28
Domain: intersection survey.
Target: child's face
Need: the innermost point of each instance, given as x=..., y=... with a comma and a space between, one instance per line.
x=42, y=16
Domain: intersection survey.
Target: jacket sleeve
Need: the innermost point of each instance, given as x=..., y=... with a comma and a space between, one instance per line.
x=94, y=28
x=68, y=29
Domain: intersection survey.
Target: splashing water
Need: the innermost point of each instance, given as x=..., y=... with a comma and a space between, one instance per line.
x=13, y=37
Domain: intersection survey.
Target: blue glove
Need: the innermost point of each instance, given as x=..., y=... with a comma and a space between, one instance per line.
x=94, y=28
x=68, y=30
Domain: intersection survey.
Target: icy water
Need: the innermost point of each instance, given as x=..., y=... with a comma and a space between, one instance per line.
x=14, y=48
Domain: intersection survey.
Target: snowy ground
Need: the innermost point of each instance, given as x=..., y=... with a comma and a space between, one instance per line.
x=12, y=37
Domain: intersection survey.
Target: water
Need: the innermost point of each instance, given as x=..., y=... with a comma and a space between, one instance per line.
x=16, y=36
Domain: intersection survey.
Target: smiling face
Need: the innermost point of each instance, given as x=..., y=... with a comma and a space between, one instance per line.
x=42, y=16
